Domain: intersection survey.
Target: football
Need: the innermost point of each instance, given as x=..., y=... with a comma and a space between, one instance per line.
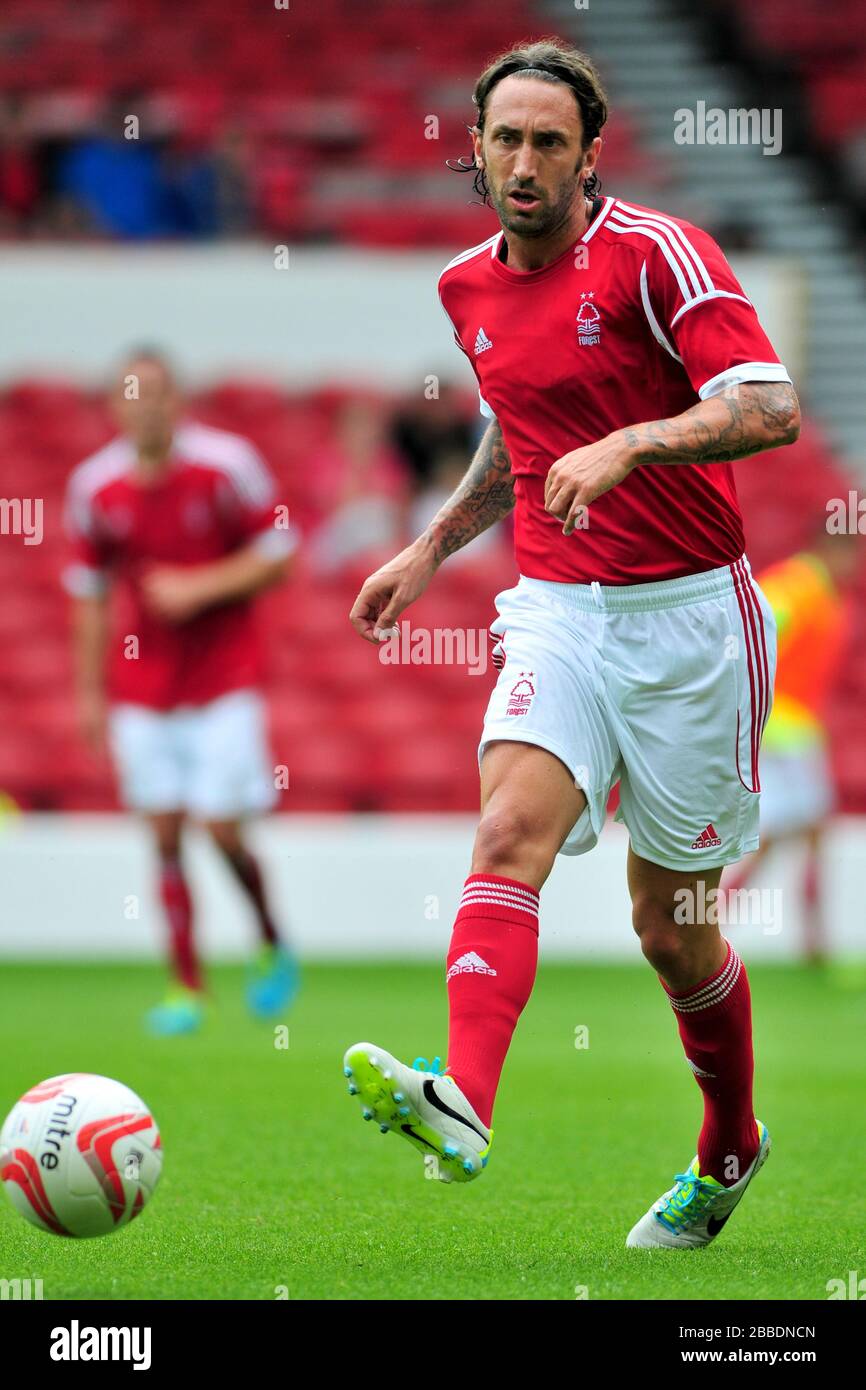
x=80, y=1155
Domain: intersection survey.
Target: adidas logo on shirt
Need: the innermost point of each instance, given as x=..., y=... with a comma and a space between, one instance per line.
x=482, y=342
x=470, y=964
x=708, y=838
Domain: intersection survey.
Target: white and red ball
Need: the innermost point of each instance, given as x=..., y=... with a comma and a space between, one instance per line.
x=80, y=1155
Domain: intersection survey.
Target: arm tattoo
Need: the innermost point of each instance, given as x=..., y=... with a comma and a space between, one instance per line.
x=485, y=496
x=743, y=420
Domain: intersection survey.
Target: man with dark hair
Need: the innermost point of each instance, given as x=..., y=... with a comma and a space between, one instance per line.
x=622, y=369
x=180, y=519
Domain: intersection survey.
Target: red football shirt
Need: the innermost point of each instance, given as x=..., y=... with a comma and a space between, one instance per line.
x=637, y=321
x=215, y=497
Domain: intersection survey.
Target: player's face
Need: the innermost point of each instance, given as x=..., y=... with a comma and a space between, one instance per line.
x=146, y=404
x=532, y=151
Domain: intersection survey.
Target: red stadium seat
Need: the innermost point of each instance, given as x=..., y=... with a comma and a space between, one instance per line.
x=438, y=770
x=330, y=769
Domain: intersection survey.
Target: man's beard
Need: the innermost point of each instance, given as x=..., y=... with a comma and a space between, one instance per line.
x=544, y=220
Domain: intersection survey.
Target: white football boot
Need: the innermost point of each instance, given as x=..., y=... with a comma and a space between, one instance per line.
x=695, y=1209
x=425, y=1106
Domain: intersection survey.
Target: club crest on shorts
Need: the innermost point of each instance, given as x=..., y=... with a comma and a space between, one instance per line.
x=588, y=321
x=521, y=695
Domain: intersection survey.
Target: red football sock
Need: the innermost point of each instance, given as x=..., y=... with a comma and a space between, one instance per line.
x=178, y=909
x=715, y=1023
x=250, y=878
x=490, y=973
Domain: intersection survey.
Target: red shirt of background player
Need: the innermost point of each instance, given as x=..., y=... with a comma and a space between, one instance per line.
x=215, y=497
x=638, y=321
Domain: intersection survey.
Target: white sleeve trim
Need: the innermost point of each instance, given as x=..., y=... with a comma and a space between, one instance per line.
x=651, y=318
x=640, y=220
x=485, y=408
x=83, y=582
x=238, y=460
x=702, y=299
x=745, y=371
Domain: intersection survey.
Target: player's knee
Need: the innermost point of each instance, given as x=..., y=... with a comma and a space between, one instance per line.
x=226, y=836
x=661, y=939
x=508, y=843
x=167, y=833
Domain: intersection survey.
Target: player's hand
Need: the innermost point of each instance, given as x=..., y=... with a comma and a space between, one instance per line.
x=392, y=588
x=93, y=720
x=581, y=476
x=174, y=593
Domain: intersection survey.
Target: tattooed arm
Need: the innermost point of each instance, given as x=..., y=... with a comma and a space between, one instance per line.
x=742, y=420
x=484, y=496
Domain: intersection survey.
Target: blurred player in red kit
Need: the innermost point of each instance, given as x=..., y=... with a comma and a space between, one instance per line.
x=181, y=520
x=621, y=368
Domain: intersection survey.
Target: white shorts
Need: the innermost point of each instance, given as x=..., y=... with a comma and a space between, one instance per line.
x=211, y=760
x=796, y=790
x=664, y=688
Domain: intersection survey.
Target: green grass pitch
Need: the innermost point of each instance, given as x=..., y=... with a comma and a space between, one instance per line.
x=273, y=1182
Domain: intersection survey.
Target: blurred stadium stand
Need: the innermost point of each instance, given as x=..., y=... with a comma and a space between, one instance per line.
x=355, y=735
x=305, y=126
x=240, y=134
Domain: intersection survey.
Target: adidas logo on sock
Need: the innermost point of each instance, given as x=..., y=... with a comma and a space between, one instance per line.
x=708, y=839
x=482, y=342
x=470, y=964
x=697, y=1070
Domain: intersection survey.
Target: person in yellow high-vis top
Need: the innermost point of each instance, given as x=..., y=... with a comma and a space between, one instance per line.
x=807, y=593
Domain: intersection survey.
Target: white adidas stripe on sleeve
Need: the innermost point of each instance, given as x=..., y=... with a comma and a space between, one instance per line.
x=683, y=247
